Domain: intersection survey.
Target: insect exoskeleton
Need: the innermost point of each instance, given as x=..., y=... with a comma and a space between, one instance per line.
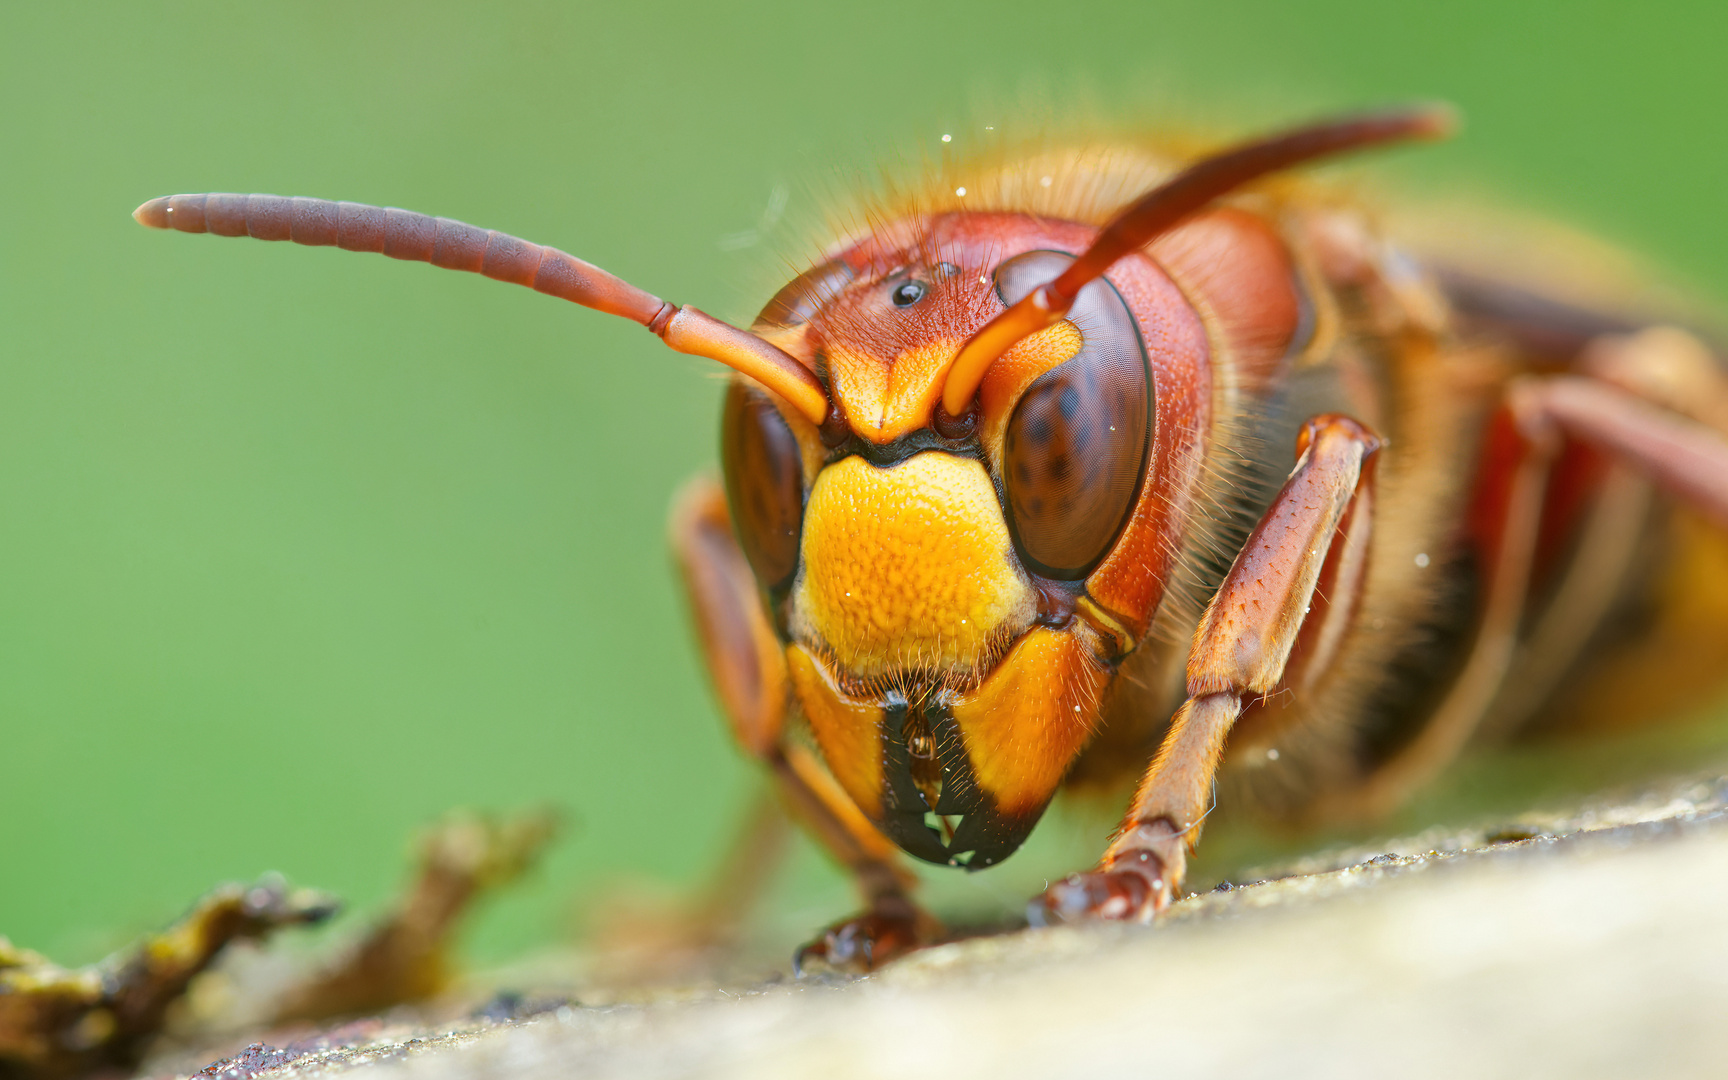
x=1008, y=498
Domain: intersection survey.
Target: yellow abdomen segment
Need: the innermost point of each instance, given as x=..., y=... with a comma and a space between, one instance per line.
x=908, y=568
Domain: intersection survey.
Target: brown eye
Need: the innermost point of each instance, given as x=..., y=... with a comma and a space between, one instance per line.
x=1076, y=441
x=804, y=295
x=764, y=483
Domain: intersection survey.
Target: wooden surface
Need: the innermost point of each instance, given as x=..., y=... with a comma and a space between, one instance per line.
x=1598, y=946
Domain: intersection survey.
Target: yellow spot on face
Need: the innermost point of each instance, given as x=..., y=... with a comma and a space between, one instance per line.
x=849, y=732
x=907, y=568
x=1026, y=722
x=884, y=401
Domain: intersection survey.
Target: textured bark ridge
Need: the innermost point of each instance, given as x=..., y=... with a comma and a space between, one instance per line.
x=62, y=1024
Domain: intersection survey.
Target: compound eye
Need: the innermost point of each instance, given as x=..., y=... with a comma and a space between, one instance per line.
x=804, y=295
x=764, y=483
x=1076, y=441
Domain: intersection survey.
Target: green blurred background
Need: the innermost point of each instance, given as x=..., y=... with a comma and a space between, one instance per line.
x=300, y=549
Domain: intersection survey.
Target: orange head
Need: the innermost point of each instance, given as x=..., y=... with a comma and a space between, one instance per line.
x=945, y=584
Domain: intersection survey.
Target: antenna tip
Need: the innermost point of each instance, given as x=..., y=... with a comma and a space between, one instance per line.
x=1435, y=120
x=153, y=214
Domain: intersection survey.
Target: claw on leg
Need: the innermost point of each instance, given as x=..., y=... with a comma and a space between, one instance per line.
x=865, y=942
x=1136, y=881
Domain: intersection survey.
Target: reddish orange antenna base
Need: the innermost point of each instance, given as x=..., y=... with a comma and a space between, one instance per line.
x=1166, y=206
x=689, y=330
x=403, y=234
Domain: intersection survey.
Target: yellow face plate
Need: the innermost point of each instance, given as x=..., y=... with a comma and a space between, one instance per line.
x=908, y=568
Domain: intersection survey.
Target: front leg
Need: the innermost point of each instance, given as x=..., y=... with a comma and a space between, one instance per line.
x=1315, y=530
x=747, y=663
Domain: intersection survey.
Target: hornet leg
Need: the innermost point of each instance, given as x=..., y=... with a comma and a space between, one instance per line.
x=1268, y=603
x=748, y=666
x=1685, y=454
